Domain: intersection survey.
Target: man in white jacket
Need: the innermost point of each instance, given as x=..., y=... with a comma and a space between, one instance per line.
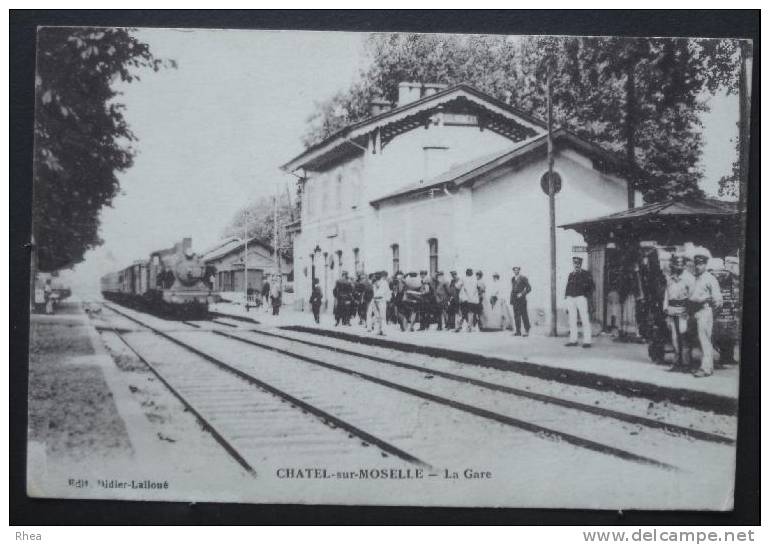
x=380, y=300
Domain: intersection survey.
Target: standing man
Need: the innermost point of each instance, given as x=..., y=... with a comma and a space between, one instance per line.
x=275, y=294
x=520, y=288
x=478, y=309
x=266, y=294
x=315, y=300
x=427, y=301
x=442, y=301
x=675, y=302
x=706, y=297
x=469, y=298
x=453, y=305
x=380, y=297
x=580, y=286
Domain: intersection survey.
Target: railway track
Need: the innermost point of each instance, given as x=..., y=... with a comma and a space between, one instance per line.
x=497, y=404
x=518, y=392
x=596, y=430
x=251, y=419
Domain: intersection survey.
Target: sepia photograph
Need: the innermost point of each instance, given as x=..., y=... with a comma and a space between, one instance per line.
x=387, y=268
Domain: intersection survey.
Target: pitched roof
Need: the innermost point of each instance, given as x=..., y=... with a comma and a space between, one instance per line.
x=682, y=207
x=469, y=171
x=360, y=128
x=231, y=245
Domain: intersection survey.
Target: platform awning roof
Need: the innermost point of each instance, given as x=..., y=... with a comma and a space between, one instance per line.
x=709, y=222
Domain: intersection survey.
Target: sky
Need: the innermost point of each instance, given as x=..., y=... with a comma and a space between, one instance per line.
x=213, y=133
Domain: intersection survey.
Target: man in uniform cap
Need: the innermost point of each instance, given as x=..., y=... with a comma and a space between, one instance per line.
x=580, y=286
x=706, y=296
x=675, y=301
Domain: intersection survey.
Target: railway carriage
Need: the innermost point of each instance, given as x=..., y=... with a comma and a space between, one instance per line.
x=170, y=283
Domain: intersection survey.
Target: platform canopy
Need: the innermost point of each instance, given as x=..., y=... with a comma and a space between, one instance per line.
x=706, y=222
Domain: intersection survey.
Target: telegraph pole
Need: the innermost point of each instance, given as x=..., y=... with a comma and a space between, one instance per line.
x=246, y=259
x=275, y=232
x=551, y=203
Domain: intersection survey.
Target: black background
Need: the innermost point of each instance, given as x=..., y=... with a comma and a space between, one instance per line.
x=705, y=23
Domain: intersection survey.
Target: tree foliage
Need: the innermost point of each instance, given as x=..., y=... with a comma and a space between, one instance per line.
x=639, y=97
x=259, y=219
x=82, y=139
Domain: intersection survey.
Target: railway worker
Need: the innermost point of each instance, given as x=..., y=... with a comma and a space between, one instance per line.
x=380, y=296
x=675, y=302
x=343, y=295
x=275, y=295
x=520, y=288
x=468, y=296
x=316, y=298
x=442, y=291
x=705, y=298
x=580, y=286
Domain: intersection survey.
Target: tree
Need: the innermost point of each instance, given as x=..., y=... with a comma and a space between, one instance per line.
x=82, y=138
x=258, y=217
x=639, y=97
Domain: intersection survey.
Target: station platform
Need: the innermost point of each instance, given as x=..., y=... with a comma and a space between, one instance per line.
x=608, y=365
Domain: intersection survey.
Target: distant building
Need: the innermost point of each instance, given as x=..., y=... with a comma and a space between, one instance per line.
x=447, y=179
x=227, y=260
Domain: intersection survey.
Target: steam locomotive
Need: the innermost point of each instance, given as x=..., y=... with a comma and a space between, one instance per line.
x=171, y=284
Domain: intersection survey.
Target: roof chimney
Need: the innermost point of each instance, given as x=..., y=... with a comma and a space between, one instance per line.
x=432, y=88
x=408, y=91
x=379, y=105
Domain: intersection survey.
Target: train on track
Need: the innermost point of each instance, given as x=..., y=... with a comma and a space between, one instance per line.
x=171, y=284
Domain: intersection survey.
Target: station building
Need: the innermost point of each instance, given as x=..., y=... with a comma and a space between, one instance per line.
x=226, y=259
x=448, y=178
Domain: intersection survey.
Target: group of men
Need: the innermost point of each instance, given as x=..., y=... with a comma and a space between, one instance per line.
x=456, y=302
x=690, y=302
x=421, y=299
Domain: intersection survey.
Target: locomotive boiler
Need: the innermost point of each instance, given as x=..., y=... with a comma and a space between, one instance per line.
x=171, y=283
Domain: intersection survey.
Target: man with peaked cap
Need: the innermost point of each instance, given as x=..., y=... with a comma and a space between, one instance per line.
x=520, y=288
x=580, y=286
x=675, y=303
x=706, y=296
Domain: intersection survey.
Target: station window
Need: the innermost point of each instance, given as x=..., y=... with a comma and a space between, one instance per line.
x=396, y=258
x=433, y=255
x=339, y=260
x=338, y=193
x=356, y=259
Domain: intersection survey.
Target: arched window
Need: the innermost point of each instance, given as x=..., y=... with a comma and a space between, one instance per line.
x=433, y=255
x=338, y=193
x=356, y=260
x=396, y=258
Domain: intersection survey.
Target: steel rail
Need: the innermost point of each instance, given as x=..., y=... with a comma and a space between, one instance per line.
x=544, y=398
x=319, y=413
x=478, y=411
